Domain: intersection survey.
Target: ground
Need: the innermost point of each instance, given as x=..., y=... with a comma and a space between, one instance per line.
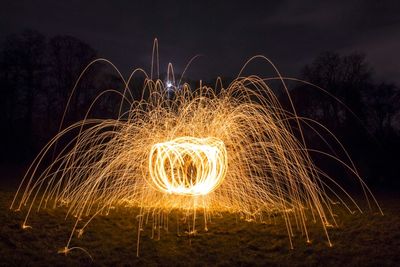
x=367, y=239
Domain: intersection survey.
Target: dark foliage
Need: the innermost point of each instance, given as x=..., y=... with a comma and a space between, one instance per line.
x=36, y=79
x=361, y=112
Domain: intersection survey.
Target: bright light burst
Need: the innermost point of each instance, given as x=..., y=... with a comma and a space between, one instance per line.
x=188, y=165
x=203, y=150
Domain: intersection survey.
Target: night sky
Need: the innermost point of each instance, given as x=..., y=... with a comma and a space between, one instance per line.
x=226, y=34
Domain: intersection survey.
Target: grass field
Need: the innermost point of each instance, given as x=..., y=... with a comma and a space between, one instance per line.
x=365, y=239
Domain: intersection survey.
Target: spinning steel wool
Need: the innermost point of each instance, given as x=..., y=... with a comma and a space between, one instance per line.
x=195, y=166
x=195, y=151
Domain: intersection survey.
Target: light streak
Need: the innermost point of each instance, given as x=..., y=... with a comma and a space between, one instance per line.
x=188, y=165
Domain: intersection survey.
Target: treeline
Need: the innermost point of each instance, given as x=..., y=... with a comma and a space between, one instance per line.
x=362, y=112
x=37, y=75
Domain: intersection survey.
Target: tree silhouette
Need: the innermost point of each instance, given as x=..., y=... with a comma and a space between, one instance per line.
x=345, y=77
x=383, y=102
x=36, y=78
x=67, y=57
x=358, y=110
x=22, y=78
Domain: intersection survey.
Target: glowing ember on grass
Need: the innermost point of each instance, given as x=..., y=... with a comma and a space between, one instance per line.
x=204, y=150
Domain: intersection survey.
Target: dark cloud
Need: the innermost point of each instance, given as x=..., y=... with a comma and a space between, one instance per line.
x=291, y=33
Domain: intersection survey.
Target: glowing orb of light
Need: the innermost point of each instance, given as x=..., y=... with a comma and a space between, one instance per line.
x=188, y=165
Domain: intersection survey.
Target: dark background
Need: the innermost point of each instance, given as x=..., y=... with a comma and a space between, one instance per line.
x=350, y=49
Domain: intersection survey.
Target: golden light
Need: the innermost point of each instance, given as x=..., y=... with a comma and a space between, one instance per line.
x=197, y=151
x=188, y=165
